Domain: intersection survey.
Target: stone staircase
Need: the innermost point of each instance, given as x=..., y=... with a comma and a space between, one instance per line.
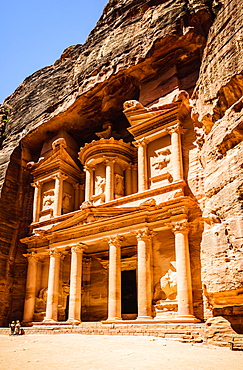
x=182, y=332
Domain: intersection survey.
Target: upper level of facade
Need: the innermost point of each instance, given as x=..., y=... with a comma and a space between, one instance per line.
x=110, y=172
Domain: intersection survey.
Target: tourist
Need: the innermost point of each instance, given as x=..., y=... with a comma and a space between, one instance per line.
x=17, y=330
x=12, y=327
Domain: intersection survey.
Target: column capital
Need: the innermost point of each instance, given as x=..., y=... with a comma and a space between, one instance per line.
x=134, y=166
x=55, y=252
x=76, y=186
x=79, y=248
x=109, y=159
x=87, y=262
x=88, y=168
x=175, y=128
x=60, y=176
x=32, y=256
x=140, y=142
x=180, y=227
x=144, y=234
x=115, y=240
x=37, y=184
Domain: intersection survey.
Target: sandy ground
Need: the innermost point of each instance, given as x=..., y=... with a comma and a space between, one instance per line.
x=75, y=351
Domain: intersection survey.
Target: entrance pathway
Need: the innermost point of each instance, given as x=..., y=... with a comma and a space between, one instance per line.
x=75, y=351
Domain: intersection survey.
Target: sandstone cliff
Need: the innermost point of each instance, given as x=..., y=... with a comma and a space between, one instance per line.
x=138, y=50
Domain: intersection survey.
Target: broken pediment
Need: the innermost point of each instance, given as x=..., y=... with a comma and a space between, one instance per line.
x=57, y=159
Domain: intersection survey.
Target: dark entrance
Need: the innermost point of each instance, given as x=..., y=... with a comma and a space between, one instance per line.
x=129, y=293
x=66, y=309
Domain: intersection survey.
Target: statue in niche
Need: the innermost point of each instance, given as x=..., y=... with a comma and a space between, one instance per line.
x=108, y=131
x=66, y=203
x=119, y=185
x=165, y=294
x=99, y=185
x=162, y=160
x=48, y=199
x=40, y=305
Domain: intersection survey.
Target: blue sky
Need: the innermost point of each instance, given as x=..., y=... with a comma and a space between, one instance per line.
x=35, y=33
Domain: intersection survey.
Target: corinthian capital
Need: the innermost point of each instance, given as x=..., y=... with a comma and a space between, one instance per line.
x=180, y=227
x=140, y=142
x=32, y=256
x=176, y=128
x=56, y=253
x=144, y=234
x=36, y=184
x=60, y=176
x=115, y=240
x=79, y=248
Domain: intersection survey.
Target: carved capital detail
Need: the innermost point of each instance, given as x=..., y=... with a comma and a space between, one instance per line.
x=110, y=159
x=79, y=248
x=176, y=128
x=32, y=256
x=140, y=142
x=144, y=234
x=88, y=168
x=115, y=240
x=60, y=176
x=36, y=184
x=180, y=227
x=56, y=253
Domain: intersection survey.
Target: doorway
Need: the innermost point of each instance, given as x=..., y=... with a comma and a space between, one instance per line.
x=129, y=294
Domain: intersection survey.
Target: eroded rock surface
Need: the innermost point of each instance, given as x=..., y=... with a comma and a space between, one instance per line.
x=145, y=51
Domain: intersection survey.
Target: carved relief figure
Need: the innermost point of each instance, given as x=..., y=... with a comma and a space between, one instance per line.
x=165, y=294
x=66, y=203
x=119, y=185
x=48, y=199
x=166, y=289
x=161, y=160
x=99, y=185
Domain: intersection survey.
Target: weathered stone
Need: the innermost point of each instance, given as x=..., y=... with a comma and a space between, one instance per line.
x=149, y=54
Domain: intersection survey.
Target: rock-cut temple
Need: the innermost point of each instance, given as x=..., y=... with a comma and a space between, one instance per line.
x=111, y=241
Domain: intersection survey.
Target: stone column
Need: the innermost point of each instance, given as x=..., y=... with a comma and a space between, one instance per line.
x=142, y=164
x=37, y=200
x=176, y=152
x=31, y=283
x=89, y=179
x=53, y=286
x=76, y=196
x=144, y=238
x=59, y=178
x=109, y=175
x=128, y=180
x=114, y=295
x=74, y=312
x=184, y=285
x=134, y=178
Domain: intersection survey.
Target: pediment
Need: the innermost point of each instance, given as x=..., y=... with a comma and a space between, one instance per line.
x=92, y=214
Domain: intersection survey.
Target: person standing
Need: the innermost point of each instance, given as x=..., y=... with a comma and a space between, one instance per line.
x=12, y=327
x=17, y=330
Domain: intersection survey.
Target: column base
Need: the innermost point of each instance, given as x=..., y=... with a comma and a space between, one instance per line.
x=144, y=318
x=49, y=321
x=112, y=319
x=74, y=321
x=187, y=318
